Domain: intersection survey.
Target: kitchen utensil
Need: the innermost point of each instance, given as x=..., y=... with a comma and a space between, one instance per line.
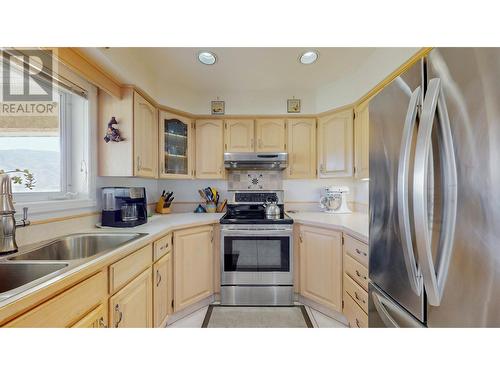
x=222, y=206
x=202, y=195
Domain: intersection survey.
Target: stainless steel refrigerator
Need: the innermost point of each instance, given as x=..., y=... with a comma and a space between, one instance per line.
x=435, y=193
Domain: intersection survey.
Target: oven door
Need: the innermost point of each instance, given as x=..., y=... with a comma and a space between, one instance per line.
x=255, y=256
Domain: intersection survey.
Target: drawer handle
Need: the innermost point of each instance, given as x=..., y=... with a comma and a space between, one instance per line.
x=361, y=252
x=357, y=323
x=359, y=299
x=359, y=275
x=117, y=309
x=158, y=277
x=101, y=323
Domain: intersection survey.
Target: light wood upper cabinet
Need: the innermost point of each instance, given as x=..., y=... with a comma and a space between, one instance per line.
x=270, y=135
x=321, y=266
x=301, y=148
x=176, y=146
x=132, y=306
x=209, y=149
x=162, y=290
x=145, y=138
x=361, y=141
x=335, y=145
x=239, y=135
x=193, y=265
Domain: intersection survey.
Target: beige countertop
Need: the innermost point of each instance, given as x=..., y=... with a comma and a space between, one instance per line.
x=156, y=227
x=355, y=224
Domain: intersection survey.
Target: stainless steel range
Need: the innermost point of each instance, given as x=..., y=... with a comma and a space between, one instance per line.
x=256, y=244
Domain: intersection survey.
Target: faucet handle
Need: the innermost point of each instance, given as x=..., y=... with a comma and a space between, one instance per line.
x=25, y=213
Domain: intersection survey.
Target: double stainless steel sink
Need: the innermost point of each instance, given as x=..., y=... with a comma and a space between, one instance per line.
x=37, y=264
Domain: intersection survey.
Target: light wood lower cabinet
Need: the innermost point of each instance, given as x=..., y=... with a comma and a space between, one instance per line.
x=321, y=266
x=193, y=266
x=355, y=315
x=162, y=290
x=131, y=307
x=66, y=308
x=97, y=318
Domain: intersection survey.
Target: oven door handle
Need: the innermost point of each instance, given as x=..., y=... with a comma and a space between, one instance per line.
x=254, y=233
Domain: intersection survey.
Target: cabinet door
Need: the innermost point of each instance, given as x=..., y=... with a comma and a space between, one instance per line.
x=239, y=136
x=270, y=135
x=321, y=266
x=145, y=138
x=162, y=290
x=132, y=306
x=361, y=141
x=209, y=149
x=97, y=318
x=193, y=266
x=335, y=145
x=301, y=148
x=176, y=146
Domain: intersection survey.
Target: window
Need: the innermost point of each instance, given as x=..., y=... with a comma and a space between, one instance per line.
x=55, y=148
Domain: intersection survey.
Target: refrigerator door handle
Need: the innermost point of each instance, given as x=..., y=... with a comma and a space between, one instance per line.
x=378, y=302
x=414, y=274
x=434, y=277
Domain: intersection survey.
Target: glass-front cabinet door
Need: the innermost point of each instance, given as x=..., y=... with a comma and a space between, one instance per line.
x=176, y=151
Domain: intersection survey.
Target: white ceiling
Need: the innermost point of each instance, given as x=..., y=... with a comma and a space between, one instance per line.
x=238, y=69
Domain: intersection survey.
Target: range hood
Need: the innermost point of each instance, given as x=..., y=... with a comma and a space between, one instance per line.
x=256, y=160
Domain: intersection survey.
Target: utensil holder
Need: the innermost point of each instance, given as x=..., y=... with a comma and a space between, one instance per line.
x=162, y=210
x=211, y=207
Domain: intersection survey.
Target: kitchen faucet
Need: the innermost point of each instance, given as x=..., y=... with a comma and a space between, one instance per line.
x=8, y=223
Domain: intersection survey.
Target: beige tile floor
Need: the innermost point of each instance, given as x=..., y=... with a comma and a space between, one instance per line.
x=195, y=320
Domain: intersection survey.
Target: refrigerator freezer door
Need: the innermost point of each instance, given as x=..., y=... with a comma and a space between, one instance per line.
x=388, y=268
x=383, y=312
x=470, y=84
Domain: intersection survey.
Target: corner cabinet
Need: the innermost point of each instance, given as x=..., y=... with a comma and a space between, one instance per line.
x=270, y=135
x=209, y=149
x=239, y=135
x=321, y=266
x=193, y=265
x=335, y=145
x=301, y=148
x=176, y=146
x=137, y=153
x=362, y=141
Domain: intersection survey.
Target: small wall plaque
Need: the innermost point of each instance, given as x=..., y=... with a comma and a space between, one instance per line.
x=293, y=105
x=218, y=107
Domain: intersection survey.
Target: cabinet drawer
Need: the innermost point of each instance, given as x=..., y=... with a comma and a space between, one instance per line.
x=356, y=270
x=97, y=318
x=68, y=307
x=357, y=249
x=356, y=292
x=162, y=247
x=121, y=272
x=355, y=315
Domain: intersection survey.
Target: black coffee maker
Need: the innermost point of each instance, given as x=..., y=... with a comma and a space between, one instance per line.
x=124, y=206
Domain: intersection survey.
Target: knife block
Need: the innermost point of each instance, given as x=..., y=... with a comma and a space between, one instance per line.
x=160, y=207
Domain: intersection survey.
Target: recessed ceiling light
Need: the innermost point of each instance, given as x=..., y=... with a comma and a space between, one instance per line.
x=308, y=57
x=207, y=57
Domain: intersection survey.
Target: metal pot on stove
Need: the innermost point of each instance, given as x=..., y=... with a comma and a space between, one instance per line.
x=273, y=211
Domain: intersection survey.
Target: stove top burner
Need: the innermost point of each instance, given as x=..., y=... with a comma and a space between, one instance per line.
x=252, y=214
